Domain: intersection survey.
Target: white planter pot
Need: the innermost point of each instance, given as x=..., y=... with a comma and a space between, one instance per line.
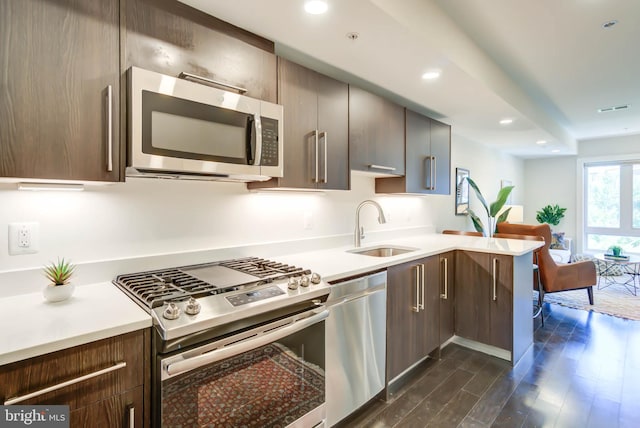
x=53, y=293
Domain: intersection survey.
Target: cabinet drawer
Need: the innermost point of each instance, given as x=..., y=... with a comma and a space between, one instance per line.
x=76, y=376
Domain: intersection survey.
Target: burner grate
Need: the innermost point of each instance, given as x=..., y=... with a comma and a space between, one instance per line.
x=262, y=268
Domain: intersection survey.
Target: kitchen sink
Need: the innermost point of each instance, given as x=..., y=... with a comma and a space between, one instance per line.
x=383, y=251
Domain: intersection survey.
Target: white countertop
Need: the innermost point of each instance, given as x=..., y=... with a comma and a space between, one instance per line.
x=34, y=327
x=337, y=263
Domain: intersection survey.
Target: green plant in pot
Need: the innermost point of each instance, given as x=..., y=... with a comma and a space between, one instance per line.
x=492, y=209
x=551, y=214
x=616, y=250
x=59, y=274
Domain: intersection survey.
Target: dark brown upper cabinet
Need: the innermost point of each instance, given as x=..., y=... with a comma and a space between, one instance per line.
x=316, y=130
x=428, y=159
x=169, y=37
x=59, y=89
x=376, y=133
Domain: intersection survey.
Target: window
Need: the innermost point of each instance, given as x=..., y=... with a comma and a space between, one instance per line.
x=612, y=206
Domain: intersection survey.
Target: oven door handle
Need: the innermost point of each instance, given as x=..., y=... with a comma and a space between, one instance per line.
x=191, y=363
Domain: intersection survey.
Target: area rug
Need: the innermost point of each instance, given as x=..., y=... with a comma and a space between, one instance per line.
x=614, y=300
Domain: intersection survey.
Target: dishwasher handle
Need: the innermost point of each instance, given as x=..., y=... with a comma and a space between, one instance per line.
x=355, y=296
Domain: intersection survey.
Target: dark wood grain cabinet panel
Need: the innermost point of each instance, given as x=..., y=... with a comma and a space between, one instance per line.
x=484, y=298
x=447, y=295
x=428, y=158
x=413, y=297
x=120, y=383
x=59, y=59
x=316, y=130
x=376, y=133
x=170, y=37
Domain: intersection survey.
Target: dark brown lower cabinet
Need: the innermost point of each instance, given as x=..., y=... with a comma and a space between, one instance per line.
x=447, y=295
x=484, y=298
x=104, y=383
x=413, y=298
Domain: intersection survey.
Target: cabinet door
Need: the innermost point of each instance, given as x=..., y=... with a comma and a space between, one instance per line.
x=124, y=410
x=473, y=295
x=407, y=329
x=376, y=133
x=447, y=296
x=431, y=311
x=333, y=123
x=419, y=176
x=60, y=58
x=297, y=94
x=501, y=319
x=441, y=157
x=170, y=37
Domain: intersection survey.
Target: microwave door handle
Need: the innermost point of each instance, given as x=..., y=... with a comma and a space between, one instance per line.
x=258, y=145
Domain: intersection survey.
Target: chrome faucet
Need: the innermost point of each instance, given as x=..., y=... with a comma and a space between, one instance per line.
x=359, y=232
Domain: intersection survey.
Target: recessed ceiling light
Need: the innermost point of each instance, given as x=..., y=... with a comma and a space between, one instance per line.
x=555, y=151
x=506, y=121
x=432, y=74
x=541, y=142
x=316, y=7
x=609, y=24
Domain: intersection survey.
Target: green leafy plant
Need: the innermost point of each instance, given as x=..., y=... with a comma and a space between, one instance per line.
x=491, y=210
x=59, y=273
x=550, y=214
x=616, y=250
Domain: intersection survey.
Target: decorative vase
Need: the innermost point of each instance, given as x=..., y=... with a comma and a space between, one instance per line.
x=616, y=251
x=58, y=293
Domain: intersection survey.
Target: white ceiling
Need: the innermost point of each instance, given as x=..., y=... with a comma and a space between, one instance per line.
x=548, y=64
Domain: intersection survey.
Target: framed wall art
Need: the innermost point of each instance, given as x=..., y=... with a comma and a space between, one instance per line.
x=462, y=191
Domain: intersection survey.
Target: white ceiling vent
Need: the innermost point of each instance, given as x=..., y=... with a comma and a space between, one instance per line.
x=615, y=108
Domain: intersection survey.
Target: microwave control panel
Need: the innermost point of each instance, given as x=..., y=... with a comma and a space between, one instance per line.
x=270, y=148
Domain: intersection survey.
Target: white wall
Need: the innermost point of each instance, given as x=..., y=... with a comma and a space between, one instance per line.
x=146, y=217
x=554, y=180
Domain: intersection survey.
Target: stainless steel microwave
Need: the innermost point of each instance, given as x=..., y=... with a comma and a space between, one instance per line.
x=181, y=129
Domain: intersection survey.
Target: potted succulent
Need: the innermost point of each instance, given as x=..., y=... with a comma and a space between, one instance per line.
x=551, y=214
x=491, y=210
x=59, y=275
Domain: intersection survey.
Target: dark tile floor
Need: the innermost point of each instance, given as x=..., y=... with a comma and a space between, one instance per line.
x=583, y=371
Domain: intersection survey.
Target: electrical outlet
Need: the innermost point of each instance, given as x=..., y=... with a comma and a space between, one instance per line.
x=308, y=220
x=23, y=238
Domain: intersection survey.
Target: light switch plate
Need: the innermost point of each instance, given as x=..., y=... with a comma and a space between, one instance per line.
x=24, y=238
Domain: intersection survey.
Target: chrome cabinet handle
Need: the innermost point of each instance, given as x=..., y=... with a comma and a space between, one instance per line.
x=434, y=183
x=432, y=166
x=325, y=135
x=109, y=128
x=416, y=308
x=495, y=279
x=316, y=134
x=132, y=416
x=422, y=286
x=61, y=385
x=445, y=295
x=386, y=168
x=200, y=79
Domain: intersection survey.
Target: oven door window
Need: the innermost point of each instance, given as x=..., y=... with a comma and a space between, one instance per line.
x=185, y=129
x=273, y=385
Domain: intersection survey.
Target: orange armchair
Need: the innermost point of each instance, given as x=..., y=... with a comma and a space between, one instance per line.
x=556, y=277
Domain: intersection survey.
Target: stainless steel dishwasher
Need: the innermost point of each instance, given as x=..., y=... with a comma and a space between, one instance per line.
x=355, y=343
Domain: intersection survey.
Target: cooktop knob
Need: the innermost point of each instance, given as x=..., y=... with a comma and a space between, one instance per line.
x=305, y=281
x=293, y=283
x=315, y=278
x=192, y=307
x=171, y=312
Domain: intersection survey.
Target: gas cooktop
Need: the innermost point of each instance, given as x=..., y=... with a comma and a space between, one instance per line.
x=189, y=299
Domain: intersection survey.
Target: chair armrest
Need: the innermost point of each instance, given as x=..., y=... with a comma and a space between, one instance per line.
x=575, y=275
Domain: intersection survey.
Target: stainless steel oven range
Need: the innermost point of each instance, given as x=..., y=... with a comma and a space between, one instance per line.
x=236, y=343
